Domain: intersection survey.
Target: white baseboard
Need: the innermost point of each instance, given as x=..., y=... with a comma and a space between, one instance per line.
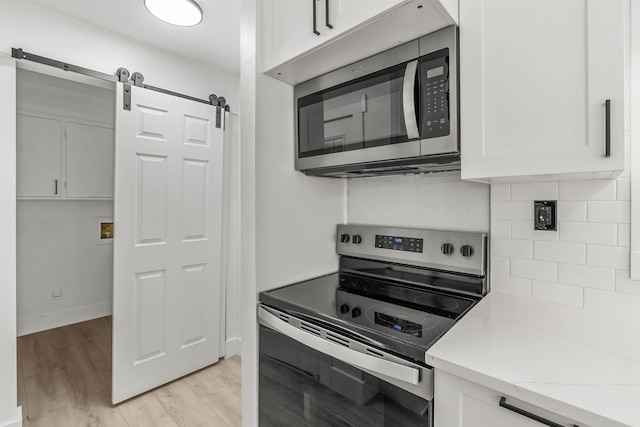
x=234, y=347
x=16, y=421
x=63, y=318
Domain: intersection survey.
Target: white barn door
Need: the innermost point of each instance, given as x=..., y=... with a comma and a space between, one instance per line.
x=167, y=240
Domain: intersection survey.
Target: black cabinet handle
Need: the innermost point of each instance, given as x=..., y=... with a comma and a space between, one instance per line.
x=327, y=15
x=607, y=128
x=315, y=14
x=538, y=418
x=56, y=187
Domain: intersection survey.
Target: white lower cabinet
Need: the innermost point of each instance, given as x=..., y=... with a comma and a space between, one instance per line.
x=461, y=403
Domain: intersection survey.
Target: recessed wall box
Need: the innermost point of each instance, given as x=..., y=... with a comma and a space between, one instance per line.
x=544, y=215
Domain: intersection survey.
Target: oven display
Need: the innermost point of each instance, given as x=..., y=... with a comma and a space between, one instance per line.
x=400, y=325
x=397, y=243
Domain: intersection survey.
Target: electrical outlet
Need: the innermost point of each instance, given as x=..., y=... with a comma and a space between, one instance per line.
x=544, y=215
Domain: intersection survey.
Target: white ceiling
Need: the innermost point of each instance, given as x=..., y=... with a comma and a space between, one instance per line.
x=215, y=41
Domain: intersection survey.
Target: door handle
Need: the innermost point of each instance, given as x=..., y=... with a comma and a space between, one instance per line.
x=345, y=354
x=315, y=15
x=408, y=102
x=503, y=403
x=327, y=23
x=607, y=128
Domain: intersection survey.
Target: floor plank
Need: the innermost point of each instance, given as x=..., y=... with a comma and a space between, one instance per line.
x=64, y=379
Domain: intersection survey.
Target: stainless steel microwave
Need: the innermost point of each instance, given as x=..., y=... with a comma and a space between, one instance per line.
x=392, y=113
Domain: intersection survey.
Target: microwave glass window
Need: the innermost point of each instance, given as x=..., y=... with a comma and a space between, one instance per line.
x=434, y=102
x=363, y=113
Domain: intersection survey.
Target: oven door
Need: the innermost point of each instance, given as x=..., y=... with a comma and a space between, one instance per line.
x=313, y=376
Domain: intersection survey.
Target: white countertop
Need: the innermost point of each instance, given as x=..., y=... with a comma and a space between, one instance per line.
x=580, y=363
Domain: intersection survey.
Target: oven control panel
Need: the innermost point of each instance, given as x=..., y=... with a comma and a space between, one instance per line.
x=397, y=243
x=460, y=251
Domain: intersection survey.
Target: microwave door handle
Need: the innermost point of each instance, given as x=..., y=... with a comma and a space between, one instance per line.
x=359, y=360
x=408, y=101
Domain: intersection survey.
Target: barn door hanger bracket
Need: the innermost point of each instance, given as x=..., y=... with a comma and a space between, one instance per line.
x=221, y=104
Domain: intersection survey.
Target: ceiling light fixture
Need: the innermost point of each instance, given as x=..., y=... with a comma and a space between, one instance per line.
x=184, y=13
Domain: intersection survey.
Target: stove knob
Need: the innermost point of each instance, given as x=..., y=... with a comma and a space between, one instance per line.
x=447, y=248
x=466, y=250
x=355, y=312
x=356, y=239
x=344, y=308
x=344, y=238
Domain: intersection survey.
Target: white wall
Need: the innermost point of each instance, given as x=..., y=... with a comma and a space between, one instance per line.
x=586, y=262
x=57, y=249
x=10, y=413
x=289, y=219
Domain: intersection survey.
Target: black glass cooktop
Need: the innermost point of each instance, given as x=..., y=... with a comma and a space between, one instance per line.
x=402, y=318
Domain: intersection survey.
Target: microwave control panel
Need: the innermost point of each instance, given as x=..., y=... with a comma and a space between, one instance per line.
x=434, y=84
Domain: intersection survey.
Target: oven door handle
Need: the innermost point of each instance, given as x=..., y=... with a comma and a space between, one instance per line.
x=408, y=100
x=362, y=361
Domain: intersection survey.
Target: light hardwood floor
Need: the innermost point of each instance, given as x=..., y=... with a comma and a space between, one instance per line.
x=64, y=379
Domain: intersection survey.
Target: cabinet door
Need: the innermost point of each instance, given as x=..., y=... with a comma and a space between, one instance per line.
x=38, y=157
x=535, y=75
x=288, y=29
x=347, y=14
x=461, y=403
x=89, y=161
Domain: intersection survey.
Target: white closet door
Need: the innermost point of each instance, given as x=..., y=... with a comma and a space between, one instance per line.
x=167, y=235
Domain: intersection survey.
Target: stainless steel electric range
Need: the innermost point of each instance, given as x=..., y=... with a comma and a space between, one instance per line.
x=348, y=348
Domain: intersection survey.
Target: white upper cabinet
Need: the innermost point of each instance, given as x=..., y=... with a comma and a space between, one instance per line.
x=302, y=39
x=38, y=157
x=289, y=29
x=535, y=77
x=293, y=27
x=89, y=154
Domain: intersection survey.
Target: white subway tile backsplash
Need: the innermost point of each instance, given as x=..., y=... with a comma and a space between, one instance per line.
x=511, y=285
x=557, y=293
x=569, y=210
x=568, y=253
x=534, y=191
x=531, y=269
x=587, y=190
x=512, y=248
x=612, y=302
x=624, y=235
x=618, y=212
x=625, y=284
x=589, y=277
x=593, y=233
x=524, y=230
x=608, y=256
x=500, y=192
x=522, y=210
x=501, y=228
x=500, y=265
